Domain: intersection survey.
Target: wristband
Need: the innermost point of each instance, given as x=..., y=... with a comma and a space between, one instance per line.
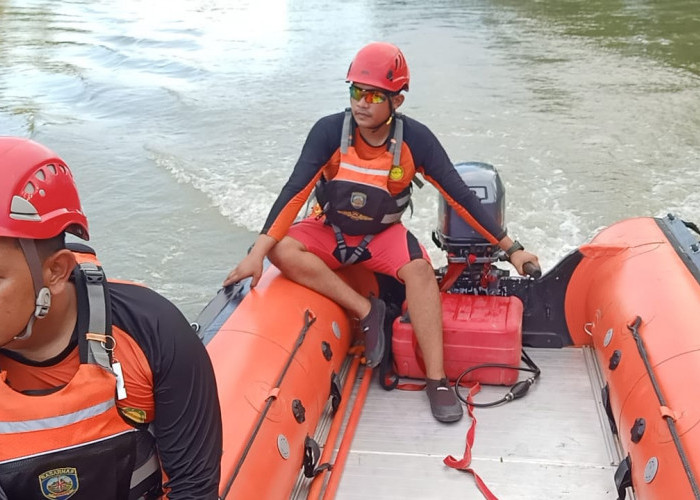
x=514, y=248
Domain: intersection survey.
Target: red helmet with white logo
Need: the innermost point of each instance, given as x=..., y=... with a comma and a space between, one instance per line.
x=38, y=196
x=381, y=65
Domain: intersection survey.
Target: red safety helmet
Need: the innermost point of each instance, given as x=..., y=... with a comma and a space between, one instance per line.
x=381, y=65
x=38, y=196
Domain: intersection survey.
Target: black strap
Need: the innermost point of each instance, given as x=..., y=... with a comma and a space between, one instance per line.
x=342, y=247
x=336, y=392
x=623, y=478
x=93, y=279
x=312, y=454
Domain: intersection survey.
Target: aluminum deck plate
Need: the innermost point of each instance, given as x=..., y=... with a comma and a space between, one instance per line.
x=555, y=443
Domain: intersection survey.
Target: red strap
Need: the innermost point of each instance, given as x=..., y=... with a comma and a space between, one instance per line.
x=450, y=461
x=411, y=387
x=463, y=464
x=454, y=271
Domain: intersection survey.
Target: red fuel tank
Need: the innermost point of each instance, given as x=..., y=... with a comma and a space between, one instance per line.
x=476, y=329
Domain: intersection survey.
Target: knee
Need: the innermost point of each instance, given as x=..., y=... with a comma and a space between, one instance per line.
x=285, y=253
x=417, y=271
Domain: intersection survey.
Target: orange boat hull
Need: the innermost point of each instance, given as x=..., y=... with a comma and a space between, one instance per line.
x=631, y=270
x=263, y=432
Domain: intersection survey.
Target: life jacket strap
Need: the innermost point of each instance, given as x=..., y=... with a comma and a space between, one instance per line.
x=346, y=259
x=97, y=339
x=348, y=131
x=396, y=142
x=145, y=471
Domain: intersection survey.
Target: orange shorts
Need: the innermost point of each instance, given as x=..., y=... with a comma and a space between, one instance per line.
x=386, y=253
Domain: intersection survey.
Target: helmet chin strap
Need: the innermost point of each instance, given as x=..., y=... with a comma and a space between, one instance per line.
x=43, y=294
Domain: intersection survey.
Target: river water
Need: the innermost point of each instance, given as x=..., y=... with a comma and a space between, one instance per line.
x=182, y=119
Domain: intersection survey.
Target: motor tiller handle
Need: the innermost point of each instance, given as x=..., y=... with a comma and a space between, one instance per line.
x=532, y=269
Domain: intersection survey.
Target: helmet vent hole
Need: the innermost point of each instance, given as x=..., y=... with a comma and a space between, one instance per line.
x=29, y=188
x=42, y=192
x=52, y=168
x=40, y=175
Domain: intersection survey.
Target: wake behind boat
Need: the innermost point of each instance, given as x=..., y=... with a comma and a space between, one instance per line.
x=612, y=328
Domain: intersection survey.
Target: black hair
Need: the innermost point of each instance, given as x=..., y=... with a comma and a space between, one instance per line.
x=49, y=246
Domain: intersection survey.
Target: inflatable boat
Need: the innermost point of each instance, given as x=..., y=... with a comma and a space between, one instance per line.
x=292, y=384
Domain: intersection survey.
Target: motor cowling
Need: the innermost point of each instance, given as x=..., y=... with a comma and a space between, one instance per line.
x=453, y=234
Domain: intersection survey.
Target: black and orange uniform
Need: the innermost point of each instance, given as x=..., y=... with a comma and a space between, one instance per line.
x=335, y=150
x=81, y=430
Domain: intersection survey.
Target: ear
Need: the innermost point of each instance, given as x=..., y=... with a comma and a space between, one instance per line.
x=57, y=270
x=397, y=100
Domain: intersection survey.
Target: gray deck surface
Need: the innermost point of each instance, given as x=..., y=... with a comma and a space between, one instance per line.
x=553, y=443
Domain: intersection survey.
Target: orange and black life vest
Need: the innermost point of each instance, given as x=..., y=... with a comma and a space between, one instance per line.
x=357, y=199
x=72, y=441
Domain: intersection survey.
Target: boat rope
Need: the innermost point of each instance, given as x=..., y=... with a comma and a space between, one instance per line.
x=634, y=328
x=309, y=319
x=517, y=391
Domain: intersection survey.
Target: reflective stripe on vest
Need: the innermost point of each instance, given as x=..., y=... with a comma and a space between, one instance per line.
x=43, y=424
x=84, y=411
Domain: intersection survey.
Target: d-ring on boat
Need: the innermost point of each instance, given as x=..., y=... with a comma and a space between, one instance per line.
x=613, y=328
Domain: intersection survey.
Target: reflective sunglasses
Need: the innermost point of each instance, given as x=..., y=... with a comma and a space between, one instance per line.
x=370, y=96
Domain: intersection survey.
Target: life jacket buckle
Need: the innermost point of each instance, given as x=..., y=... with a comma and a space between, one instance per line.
x=93, y=274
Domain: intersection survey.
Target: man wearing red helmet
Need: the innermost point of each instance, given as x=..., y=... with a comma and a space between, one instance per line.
x=105, y=390
x=362, y=162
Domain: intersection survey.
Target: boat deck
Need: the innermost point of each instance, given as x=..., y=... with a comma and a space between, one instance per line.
x=553, y=443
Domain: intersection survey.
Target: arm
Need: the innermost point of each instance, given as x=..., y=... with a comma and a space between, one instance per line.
x=188, y=418
x=188, y=421
x=187, y=424
x=320, y=146
x=252, y=264
x=433, y=162
x=519, y=257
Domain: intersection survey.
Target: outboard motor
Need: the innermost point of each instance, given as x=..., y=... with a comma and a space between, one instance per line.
x=465, y=247
x=482, y=316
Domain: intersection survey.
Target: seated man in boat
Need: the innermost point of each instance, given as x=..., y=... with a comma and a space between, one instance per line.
x=362, y=162
x=105, y=390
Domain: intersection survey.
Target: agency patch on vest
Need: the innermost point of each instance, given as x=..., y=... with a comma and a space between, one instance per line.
x=358, y=200
x=59, y=484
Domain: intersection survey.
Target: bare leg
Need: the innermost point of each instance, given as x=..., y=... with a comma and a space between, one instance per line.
x=305, y=268
x=424, y=307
